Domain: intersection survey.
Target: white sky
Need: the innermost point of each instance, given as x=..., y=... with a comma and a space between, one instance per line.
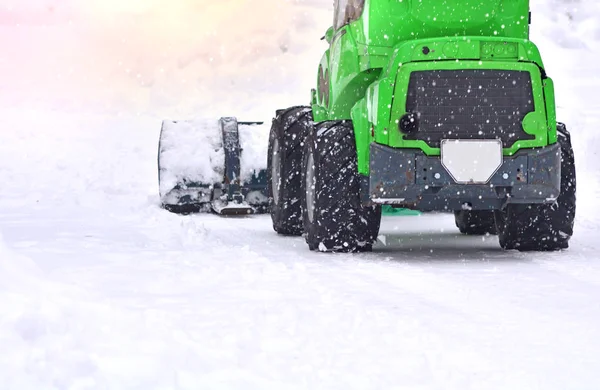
x=161, y=54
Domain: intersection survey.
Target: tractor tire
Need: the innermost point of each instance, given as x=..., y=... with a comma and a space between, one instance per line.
x=543, y=227
x=334, y=218
x=475, y=222
x=284, y=178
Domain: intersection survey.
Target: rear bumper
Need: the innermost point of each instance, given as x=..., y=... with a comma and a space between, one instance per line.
x=408, y=178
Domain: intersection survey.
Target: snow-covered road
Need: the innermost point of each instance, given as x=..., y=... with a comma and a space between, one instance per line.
x=102, y=289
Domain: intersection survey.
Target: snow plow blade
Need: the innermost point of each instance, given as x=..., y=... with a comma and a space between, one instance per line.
x=213, y=166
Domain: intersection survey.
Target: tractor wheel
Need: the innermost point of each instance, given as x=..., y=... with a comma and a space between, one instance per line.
x=543, y=227
x=334, y=218
x=284, y=178
x=475, y=222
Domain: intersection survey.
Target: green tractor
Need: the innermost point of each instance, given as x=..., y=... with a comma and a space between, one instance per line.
x=428, y=105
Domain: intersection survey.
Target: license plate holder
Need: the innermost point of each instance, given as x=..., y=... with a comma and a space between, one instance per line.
x=471, y=161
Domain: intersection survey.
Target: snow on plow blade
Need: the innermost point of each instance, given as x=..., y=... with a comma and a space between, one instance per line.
x=213, y=166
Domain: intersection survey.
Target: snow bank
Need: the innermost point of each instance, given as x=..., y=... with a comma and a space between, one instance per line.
x=568, y=24
x=37, y=325
x=17, y=273
x=62, y=158
x=59, y=335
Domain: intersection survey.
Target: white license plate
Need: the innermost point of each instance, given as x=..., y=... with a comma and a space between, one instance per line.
x=471, y=161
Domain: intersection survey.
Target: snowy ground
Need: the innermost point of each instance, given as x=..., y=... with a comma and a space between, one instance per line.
x=101, y=289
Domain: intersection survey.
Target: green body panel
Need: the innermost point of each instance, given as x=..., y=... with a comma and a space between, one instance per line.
x=551, y=110
x=364, y=75
x=386, y=23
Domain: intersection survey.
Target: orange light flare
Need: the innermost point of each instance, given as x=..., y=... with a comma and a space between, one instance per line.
x=106, y=48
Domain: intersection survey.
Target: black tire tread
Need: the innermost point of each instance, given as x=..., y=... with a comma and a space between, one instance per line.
x=341, y=223
x=290, y=126
x=475, y=222
x=543, y=227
